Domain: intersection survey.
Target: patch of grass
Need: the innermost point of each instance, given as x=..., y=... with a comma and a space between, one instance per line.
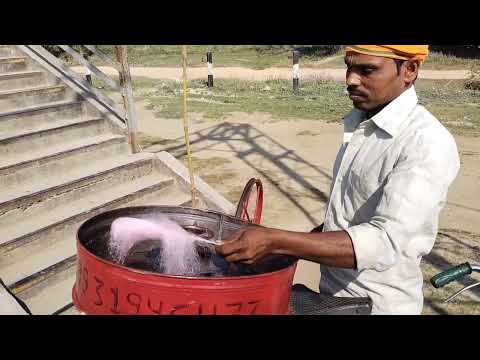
x=308, y=133
x=249, y=56
x=200, y=165
x=332, y=62
x=473, y=83
x=218, y=177
x=215, y=172
x=440, y=61
x=212, y=170
x=456, y=107
x=254, y=57
x=233, y=194
x=146, y=141
x=316, y=99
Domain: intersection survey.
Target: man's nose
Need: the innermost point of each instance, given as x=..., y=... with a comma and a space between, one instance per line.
x=352, y=79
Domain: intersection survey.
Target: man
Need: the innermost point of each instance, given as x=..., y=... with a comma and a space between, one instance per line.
x=390, y=181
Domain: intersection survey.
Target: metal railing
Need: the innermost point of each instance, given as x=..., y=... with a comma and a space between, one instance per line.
x=127, y=113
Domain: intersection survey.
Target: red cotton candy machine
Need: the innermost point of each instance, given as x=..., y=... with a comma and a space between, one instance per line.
x=139, y=287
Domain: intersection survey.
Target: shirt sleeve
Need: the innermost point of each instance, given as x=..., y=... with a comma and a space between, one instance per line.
x=412, y=197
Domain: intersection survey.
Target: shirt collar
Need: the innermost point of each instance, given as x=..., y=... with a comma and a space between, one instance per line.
x=353, y=119
x=390, y=118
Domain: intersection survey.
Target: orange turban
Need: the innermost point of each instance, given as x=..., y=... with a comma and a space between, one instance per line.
x=403, y=52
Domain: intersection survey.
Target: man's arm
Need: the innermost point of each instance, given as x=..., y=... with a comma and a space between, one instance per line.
x=250, y=244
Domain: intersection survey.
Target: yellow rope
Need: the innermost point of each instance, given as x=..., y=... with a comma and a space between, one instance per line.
x=185, y=125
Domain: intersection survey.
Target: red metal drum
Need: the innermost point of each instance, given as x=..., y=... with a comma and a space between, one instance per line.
x=104, y=287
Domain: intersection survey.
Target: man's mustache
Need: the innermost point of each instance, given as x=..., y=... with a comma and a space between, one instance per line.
x=352, y=91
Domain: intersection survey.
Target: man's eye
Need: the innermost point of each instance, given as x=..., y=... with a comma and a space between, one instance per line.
x=367, y=71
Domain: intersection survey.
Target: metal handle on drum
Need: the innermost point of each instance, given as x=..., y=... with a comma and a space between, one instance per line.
x=242, y=207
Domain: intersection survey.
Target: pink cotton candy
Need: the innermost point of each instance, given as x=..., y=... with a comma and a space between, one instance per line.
x=178, y=251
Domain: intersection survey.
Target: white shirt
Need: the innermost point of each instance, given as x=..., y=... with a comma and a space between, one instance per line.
x=390, y=181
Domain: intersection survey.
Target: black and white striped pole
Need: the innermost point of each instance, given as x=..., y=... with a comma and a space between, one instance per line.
x=296, y=69
x=210, y=69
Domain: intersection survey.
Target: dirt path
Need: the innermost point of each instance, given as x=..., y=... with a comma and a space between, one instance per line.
x=294, y=160
x=172, y=73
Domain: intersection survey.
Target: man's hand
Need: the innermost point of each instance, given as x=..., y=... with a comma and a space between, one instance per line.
x=248, y=245
x=251, y=244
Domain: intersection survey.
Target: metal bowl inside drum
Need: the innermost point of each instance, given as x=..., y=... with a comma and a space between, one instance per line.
x=105, y=287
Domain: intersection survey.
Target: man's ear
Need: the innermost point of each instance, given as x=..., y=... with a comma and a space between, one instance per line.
x=411, y=67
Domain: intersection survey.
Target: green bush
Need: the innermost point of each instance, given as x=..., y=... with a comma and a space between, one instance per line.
x=318, y=50
x=463, y=51
x=473, y=83
x=305, y=50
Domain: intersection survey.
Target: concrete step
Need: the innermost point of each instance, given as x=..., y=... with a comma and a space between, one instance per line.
x=173, y=197
x=50, y=193
x=57, y=160
x=70, y=310
x=59, y=278
x=40, y=95
x=37, y=116
x=13, y=63
x=35, y=243
x=23, y=79
x=16, y=145
x=35, y=279
x=51, y=293
x=8, y=50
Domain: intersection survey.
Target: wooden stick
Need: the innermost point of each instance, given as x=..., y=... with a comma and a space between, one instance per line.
x=127, y=95
x=185, y=125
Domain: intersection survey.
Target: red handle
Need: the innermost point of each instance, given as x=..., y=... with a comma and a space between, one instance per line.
x=242, y=208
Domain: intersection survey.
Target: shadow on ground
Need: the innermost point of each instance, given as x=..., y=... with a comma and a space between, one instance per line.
x=246, y=143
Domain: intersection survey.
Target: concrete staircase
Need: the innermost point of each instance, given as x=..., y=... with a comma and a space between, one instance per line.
x=61, y=162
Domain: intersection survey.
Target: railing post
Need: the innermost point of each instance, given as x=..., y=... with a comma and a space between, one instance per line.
x=128, y=101
x=88, y=74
